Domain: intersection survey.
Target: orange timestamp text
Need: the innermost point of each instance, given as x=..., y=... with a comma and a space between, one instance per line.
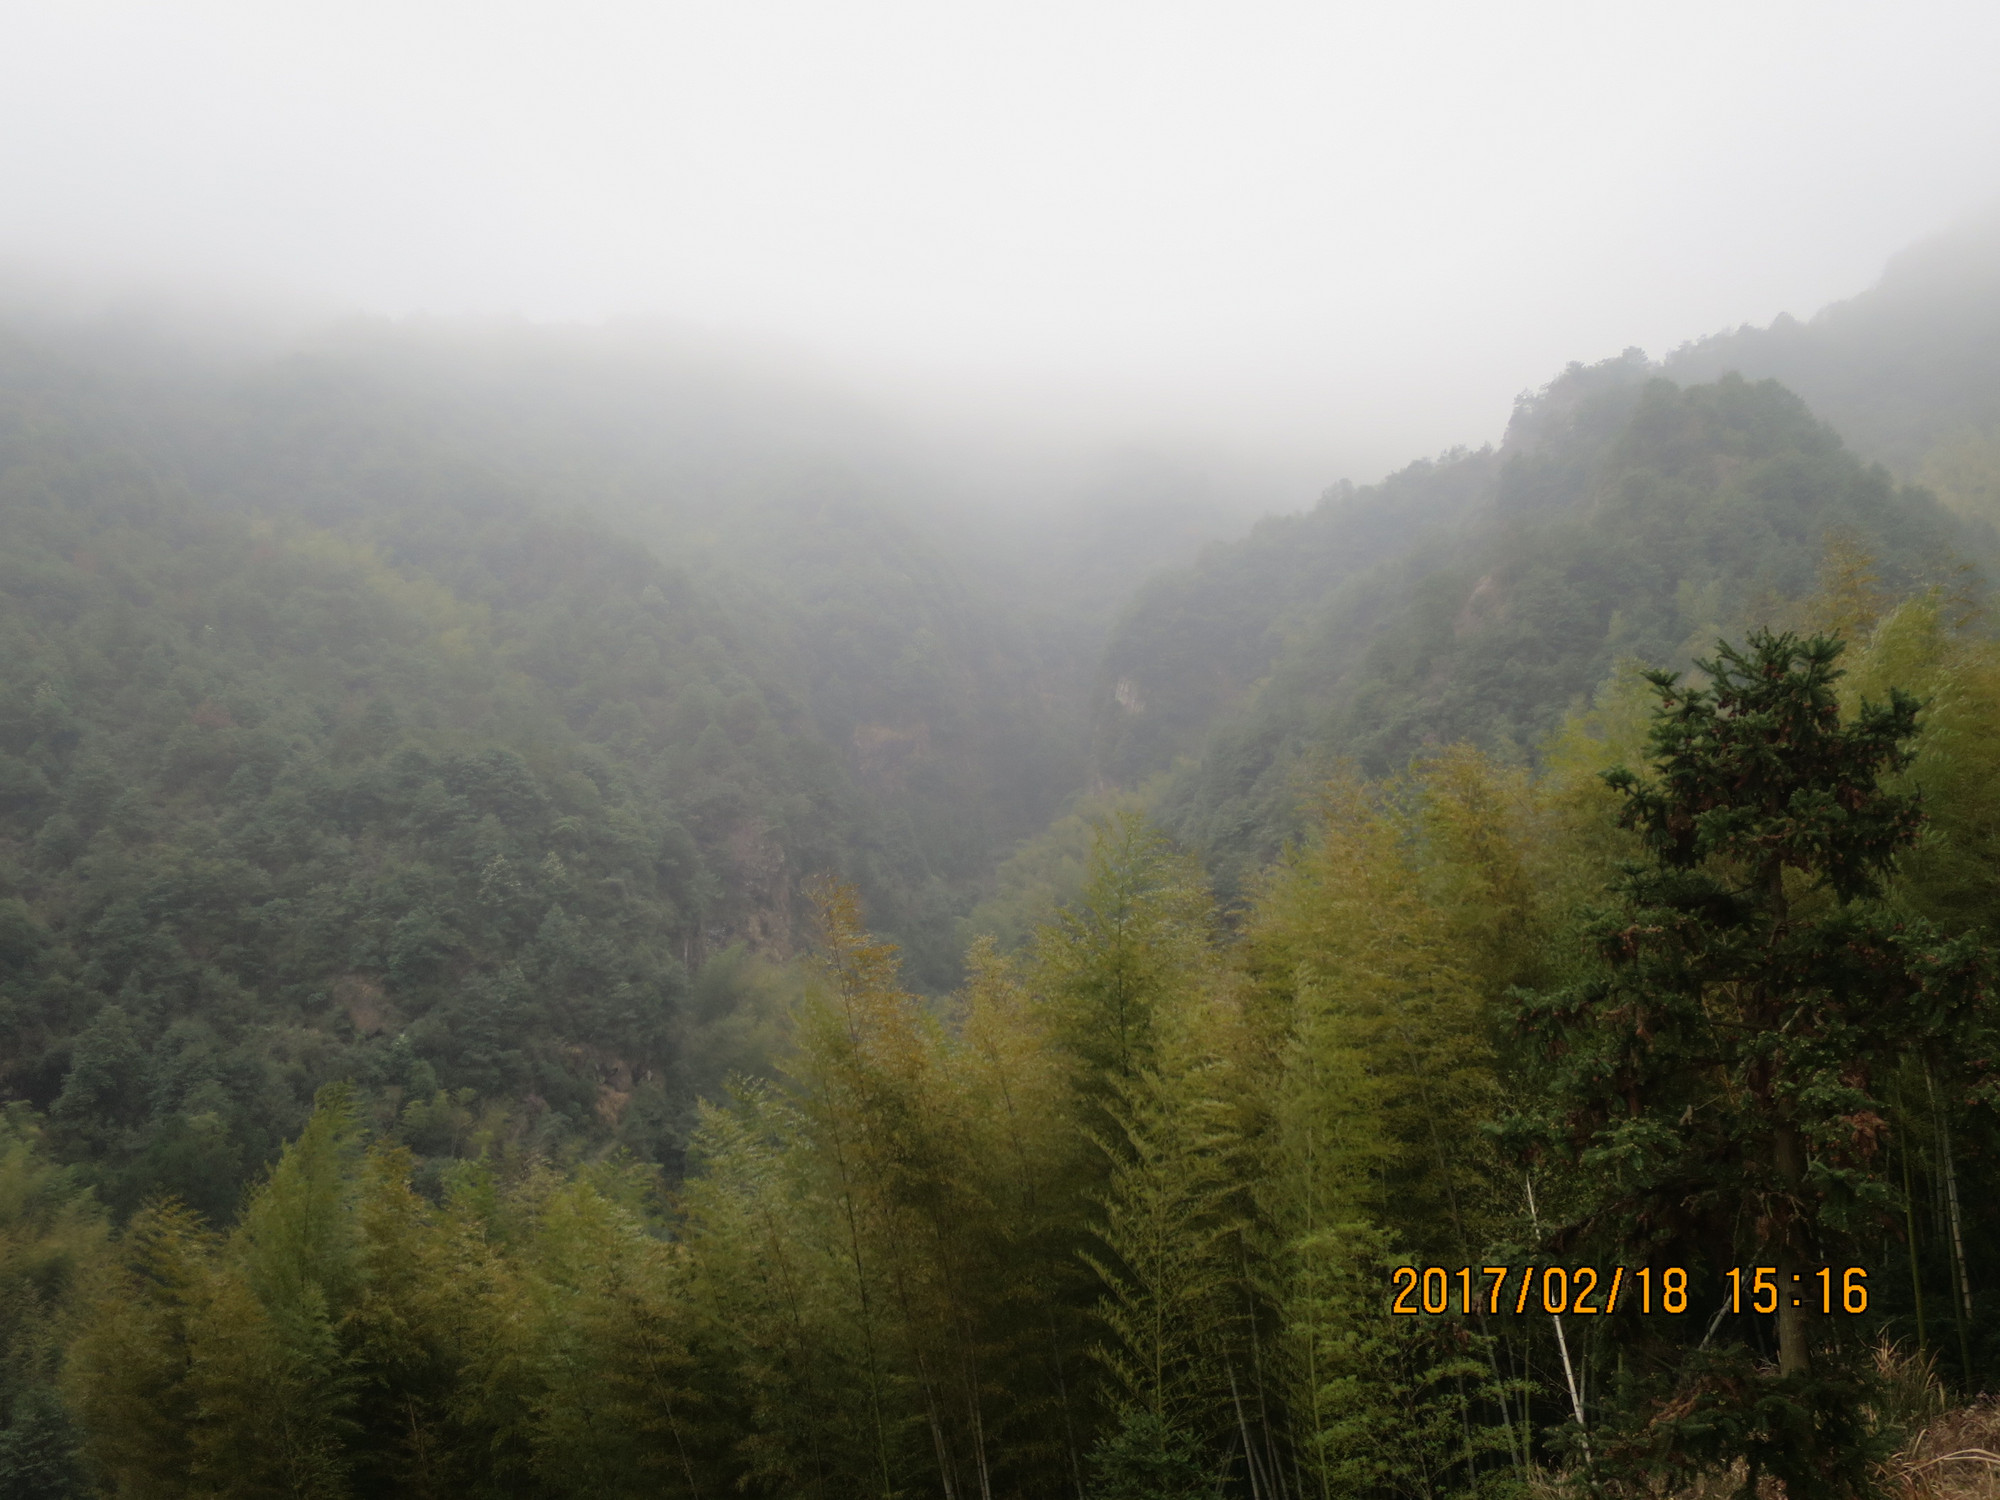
x=1590, y=1290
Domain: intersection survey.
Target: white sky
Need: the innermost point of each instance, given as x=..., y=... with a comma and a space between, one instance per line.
x=1348, y=232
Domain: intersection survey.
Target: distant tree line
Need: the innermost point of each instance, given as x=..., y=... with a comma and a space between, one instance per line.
x=1712, y=988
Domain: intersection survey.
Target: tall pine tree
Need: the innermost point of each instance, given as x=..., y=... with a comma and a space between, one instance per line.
x=1718, y=1087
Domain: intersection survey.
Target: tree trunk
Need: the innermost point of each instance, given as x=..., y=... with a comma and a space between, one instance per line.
x=1788, y=1155
x=1794, y=1290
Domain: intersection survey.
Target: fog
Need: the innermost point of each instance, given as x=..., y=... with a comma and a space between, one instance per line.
x=1312, y=240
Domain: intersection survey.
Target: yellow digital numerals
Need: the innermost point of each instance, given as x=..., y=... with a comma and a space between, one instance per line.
x=1589, y=1290
x=1768, y=1289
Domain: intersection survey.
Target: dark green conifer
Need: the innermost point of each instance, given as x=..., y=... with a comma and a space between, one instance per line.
x=1717, y=1088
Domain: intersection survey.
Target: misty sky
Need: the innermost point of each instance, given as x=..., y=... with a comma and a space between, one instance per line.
x=1353, y=230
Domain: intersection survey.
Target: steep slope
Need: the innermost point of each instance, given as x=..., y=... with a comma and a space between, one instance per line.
x=1195, y=642
x=956, y=724
x=1624, y=516
x=355, y=727
x=1908, y=372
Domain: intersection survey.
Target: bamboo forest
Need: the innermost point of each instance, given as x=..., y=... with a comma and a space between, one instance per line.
x=563, y=934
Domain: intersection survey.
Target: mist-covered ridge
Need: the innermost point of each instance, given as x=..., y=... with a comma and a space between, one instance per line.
x=462, y=708
x=1633, y=509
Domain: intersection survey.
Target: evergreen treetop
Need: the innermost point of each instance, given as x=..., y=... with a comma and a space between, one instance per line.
x=1718, y=1088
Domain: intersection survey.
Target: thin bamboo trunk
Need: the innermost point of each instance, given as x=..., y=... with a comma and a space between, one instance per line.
x=1910, y=1230
x=1963, y=1302
x=1562, y=1342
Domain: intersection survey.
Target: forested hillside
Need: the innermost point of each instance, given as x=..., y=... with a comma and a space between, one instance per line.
x=1480, y=597
x=1908, y=371
x=496, y=832
x=354, y=728
x=1125, y=1218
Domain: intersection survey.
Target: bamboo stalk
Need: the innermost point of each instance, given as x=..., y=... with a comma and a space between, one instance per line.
x=1562, y=1343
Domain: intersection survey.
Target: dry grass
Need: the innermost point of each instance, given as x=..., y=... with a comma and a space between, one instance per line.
x=1956, y=1457
x=1947, y=1453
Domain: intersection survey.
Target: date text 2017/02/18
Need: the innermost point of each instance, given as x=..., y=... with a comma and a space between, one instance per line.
x=1585, y=1290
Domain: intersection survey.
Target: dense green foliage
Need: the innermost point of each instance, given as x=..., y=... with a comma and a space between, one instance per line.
x=51, y=1237
x=1722, y=1086
x=1623, y=518
x=332, y=746
x=1121, y=1215
x=442, y=780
